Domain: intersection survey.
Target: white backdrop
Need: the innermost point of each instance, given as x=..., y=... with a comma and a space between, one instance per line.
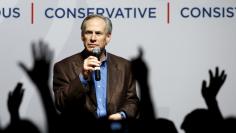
x=179, y=53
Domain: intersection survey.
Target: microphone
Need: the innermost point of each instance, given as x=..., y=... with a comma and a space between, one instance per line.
x=96, y=52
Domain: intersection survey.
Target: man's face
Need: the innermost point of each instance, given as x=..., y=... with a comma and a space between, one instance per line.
x=95, y=34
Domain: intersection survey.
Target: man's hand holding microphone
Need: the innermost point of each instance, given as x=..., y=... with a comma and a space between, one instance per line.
x=92, y=63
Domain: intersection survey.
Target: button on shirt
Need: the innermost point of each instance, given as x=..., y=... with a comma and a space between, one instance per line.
x=100, y=88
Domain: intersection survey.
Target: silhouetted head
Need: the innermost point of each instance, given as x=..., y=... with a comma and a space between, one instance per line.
x=200, y=121
x=165, y=126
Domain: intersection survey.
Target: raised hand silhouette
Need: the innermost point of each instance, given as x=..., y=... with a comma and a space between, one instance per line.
x=148, y=121
x=39, y=75
x=16, y=124
x=14, y=102
x=40, y=71
x=139, y=68
x=140, y=73
x=216, y=81
x=210, y=92
x=210, y=119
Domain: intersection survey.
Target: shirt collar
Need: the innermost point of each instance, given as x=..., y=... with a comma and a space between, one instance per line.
x=105, y=57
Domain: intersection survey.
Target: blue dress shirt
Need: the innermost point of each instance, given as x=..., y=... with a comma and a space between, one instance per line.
x=100, y=88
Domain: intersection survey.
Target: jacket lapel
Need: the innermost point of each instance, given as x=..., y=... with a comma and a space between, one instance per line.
x=113, y=74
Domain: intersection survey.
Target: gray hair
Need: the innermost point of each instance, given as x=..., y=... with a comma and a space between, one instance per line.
x=106, y=20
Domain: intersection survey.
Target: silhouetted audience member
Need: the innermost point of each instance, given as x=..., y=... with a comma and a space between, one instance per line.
x=16, y=123
x=39, y=75
x=140, y=72
x=148, y=122
x=210, y=119
x=164, y=125
x=199, y=121
x=159, y=125
x=210, y=92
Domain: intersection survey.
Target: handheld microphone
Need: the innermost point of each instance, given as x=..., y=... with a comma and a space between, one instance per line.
x=96, y=52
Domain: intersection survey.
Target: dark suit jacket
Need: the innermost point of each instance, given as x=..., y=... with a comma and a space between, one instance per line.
x=121, y=87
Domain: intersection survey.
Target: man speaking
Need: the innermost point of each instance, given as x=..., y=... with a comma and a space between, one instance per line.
x=108, y=93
